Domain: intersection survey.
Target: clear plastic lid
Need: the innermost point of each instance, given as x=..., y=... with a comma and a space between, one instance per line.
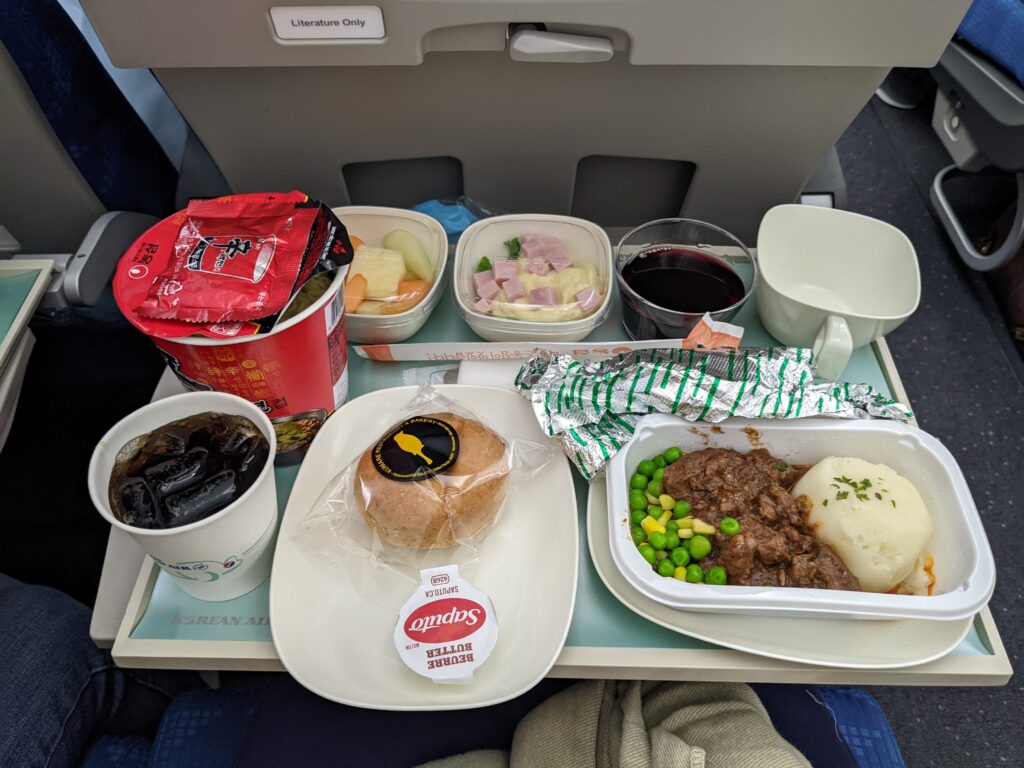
x=538, y=273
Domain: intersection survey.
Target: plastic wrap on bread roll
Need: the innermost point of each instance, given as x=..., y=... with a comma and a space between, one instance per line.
x=424, y=491
x=457, y=474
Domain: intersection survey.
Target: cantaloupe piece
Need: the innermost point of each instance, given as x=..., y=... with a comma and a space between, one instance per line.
x=355, y=292
x=371, y=308
x=410, y=293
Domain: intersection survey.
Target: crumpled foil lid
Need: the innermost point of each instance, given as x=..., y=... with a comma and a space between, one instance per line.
x=592, y=407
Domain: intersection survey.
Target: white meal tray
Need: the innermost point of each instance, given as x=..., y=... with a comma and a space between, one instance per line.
x=848, y=644
x=339, y=644
x=964, y=568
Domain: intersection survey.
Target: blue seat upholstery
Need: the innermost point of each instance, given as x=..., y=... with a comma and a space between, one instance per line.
x=103, y=135
x=996, y=29
x=833, y=727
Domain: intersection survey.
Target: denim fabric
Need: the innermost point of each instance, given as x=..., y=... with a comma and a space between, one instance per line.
x=58, y=691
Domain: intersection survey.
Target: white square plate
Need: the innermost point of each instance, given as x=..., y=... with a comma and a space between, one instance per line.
x=340, y=646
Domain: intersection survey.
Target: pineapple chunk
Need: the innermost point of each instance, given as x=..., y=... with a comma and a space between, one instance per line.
x=382, y=268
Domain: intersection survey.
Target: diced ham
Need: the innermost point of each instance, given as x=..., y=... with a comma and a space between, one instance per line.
x=544, y=296
x=514, y=289
x=589, y=299
x=482, y=277
x=537, y=266
x=483, y=306
x=559, y=259
x=488, y=290
x=504, y=269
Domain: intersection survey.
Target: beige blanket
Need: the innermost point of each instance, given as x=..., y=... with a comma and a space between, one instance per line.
x=612, y=724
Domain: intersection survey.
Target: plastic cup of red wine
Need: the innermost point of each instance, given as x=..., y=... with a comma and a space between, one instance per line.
x=673, y=271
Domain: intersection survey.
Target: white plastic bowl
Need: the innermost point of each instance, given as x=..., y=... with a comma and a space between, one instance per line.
x=370, y=224
x=964, y=569
x=586, y=241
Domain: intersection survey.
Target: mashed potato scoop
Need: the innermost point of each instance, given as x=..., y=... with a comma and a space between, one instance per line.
x=873, y=517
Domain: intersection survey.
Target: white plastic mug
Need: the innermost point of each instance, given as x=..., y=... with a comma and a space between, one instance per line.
x=222, y=556
x=833, y=281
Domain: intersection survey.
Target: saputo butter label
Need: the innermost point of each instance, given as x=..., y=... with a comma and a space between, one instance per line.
x=447, y=628
x=416, y=449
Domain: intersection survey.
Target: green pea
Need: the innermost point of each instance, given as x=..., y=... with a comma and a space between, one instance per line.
x=694, y=573
x=682, y=509
x=672, y=455
x=659, y=474
x=647, y=553
x=671, y=539
x=637, y=516
x=658, y=540
x=672, y=525
x=659, y=462
x=700, y=547
x=680, y=556
x=717, y=575
x=655, y=511
x=637, y=500
x=654, y=487
x=646, y=468
x=638, y=481
x=730, y=526
x=666, y=568
x=637, y=534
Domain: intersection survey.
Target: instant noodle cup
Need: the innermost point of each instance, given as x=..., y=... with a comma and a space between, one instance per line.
x=297, y=374
x=291, y=363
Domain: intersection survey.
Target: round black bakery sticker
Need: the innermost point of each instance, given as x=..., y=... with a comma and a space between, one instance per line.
x=416, y=448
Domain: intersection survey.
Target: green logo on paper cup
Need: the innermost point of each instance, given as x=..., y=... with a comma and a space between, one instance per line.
x=202, y=570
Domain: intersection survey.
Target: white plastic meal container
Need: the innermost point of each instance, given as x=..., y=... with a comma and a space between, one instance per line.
x=370, y=224
x=222, y=556
x=963, y=566
x=586, y=242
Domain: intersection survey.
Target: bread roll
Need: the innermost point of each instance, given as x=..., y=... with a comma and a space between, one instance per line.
x=444, y=509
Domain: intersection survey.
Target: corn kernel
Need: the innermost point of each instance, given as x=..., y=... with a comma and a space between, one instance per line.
x=665, y=517
x=680, y=573
x=667, y=502
x=685, y=522
x=699, y=526
x=685, y=533
x=650, y=525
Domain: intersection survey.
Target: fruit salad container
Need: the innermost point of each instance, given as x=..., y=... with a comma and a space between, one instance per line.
x=370, y=226
x=548, y=248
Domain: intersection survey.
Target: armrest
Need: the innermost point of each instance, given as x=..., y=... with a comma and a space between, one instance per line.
x=80, y=277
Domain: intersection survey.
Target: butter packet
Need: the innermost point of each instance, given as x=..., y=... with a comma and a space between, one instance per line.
x=447, y=628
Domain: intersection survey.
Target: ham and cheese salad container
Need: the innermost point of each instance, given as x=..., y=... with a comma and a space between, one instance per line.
x=549, y=245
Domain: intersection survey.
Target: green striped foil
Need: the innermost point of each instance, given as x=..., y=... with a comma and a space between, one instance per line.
x=592, y=407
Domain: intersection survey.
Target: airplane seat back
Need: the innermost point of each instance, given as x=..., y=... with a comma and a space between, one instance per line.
x=71, y=146
x=617, y=111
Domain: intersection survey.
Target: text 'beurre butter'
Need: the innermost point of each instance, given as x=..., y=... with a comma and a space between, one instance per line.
x=447, y=628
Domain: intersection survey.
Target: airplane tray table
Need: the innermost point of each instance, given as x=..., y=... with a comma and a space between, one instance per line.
x=162, y=627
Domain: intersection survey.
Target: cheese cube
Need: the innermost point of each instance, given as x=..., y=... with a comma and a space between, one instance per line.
x=382, y=268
